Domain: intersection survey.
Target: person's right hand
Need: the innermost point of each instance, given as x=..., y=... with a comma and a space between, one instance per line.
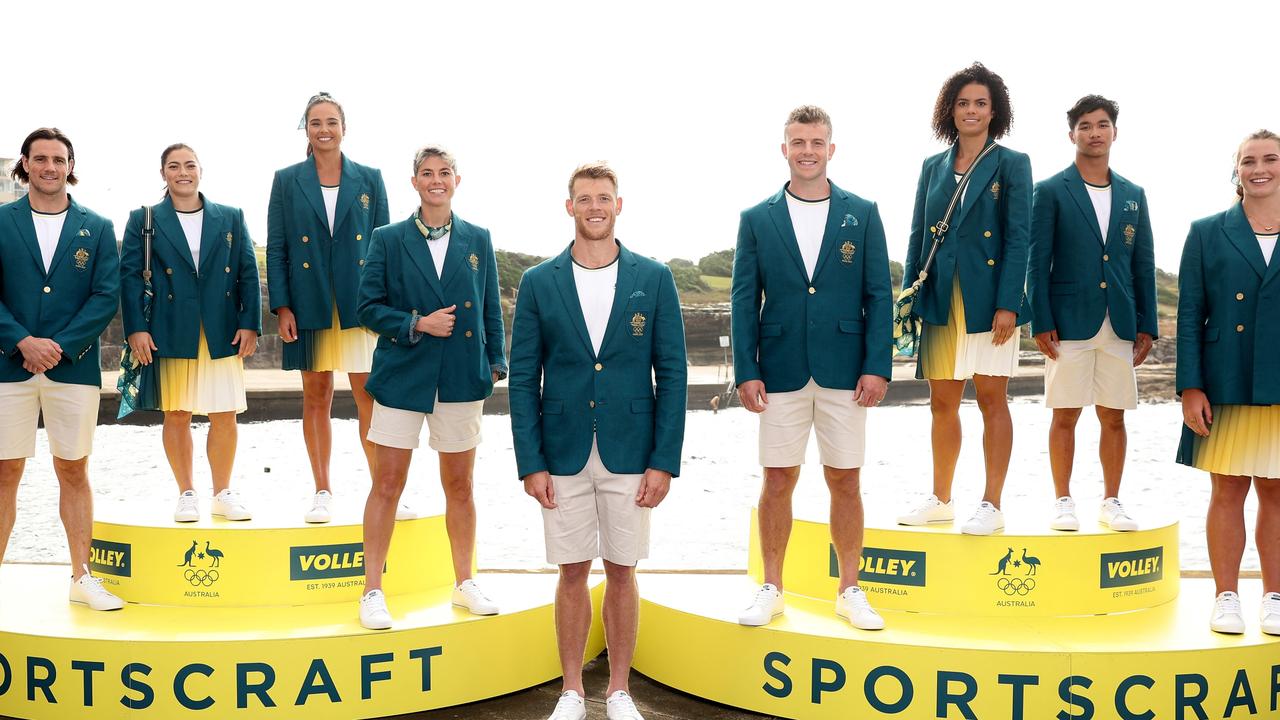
x=1048, y=342
x=39, y=354
x=753, y=396
x=1196, y=412
x=142, y=344
x=288, y=324
x=439, y=323
x=539, y=487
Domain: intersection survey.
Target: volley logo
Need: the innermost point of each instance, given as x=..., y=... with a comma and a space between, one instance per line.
x=885, y=565
x=1135, y=567
x=110, y=558
x=322, y=562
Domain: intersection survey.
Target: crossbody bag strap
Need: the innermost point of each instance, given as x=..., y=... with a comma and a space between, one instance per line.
x=942, y=226
x=148, y=233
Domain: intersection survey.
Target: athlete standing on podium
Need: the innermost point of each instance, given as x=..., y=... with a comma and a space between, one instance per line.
x=812, y=348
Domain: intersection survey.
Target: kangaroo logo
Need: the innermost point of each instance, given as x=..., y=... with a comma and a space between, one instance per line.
x=186, y=558
x=1002, y=568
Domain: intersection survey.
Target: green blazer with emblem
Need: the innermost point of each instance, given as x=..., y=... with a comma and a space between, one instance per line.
x=987, y=242
x=309, y=269
x=399, y=284
x=1075, y=280
x=563, y=394
x=833, y=328
x=70, y=304
x=1228, y=313
x=218, y=291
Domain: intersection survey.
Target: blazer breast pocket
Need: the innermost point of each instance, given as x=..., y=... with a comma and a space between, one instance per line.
x=552, y=407
x=638, y=322
x=852, y=327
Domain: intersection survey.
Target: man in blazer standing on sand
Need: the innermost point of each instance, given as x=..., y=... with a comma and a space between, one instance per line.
x=596, y=443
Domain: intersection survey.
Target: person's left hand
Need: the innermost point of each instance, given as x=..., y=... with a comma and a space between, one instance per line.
x=1141, y=347
x=247, y=340
x=654, y=486
x=1003, y=326
x=870, y=390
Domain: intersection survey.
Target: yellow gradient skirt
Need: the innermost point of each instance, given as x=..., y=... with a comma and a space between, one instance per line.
x=948, y=352
x=202, y=386
x=332, y=349
x=1243, y=440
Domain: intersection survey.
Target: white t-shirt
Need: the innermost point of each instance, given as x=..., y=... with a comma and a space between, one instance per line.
x=595, y=295
x=330, y=203
x=1268, y=245
x=192, y=226
x=48, y=230
x=1101, y=199
x=439, y=248
x=966, y=192
x=809, y=221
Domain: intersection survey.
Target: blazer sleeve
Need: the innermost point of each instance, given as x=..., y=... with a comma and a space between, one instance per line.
x=1044, y=221
x=495, y=330
x=131, y=285
x=1191, y=314
x=671, y=376
x=1017, y=236
x=93, y=317
x=277, y=248
x=745, y=305
x=524, y=385
x=381, y=215
x=1144, y=274
x=911, y=264
x=877, y=301
x=374, y=303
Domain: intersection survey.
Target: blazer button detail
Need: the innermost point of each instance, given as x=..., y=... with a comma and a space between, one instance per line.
x=361, y=262
x=986, y=234
x=591, y=403
x=1103, y=284
x=467, y=333
x=168, y=271
x=990, y=262
x=1105, y=258
x=1239, y=296
x=228, y=293
x=170, y=296
x=226, y=269
x=599, y=367
x=306, y=265
x=359, y=237
x=1239, y=328
x=47, y=289
x=933, y=229
x=467, y=304
x=306, y=239
x=812, y=290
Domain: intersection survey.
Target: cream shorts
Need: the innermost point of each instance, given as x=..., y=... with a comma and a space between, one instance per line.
x=596, y=516
x=453, y=427
x=70, y=415
x=841, y=425
x=1097, y=371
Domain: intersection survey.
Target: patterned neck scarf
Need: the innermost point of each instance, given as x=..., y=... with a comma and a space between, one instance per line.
x=432, y=233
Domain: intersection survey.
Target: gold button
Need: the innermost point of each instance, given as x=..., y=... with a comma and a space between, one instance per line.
x=1106, y=258
x=170, y=296
x=362, y=261
x=226, y=269
x=812, y=291
x=466, y=304
x=467, y=333
x=359, y=237
x=990, y=262
x=592, y=403
x=599, y=367
x=1103, y=284
x=933, y=229
x=986, y=234
x=47, y=289
x=228, y=294
x=1239, y=328
x=1239, y=296
x=306, y=265
x=168, y=271
x=306, y=239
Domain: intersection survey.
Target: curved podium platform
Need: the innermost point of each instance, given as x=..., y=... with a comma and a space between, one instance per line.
x=61, y=661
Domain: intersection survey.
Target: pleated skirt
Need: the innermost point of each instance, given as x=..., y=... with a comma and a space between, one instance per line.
x=1243, y=440
x=331, y=349
x=203, y=385
x=948, y=352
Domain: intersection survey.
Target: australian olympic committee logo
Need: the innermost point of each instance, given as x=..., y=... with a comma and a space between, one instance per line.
x=200, y=567
x=1016, y=576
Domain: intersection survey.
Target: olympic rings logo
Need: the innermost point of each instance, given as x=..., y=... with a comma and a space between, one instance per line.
x=1016, y=586
x=201, y=577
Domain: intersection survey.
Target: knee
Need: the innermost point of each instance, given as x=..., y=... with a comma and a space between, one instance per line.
x=778, y=484
x=72, y=473
x=844, y=483
x=222, y=421
x=615, y=574
x=1230, y=491
x=11, y=472
x=575, y=573
x=458, y=490
x=1268, y=493
x=177, y=419
x=317, y=388
x=1111, y=420
x=993, y=402
x=943, y=408
x=1065, y=419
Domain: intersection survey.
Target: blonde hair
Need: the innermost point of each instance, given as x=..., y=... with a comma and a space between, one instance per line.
x=598, y=170
x=809, y=115
x=434, y=151
x=1263, y=134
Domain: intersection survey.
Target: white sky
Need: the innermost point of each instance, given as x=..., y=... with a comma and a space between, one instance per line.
x=686, y=99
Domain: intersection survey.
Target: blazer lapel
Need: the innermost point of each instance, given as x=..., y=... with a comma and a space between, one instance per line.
x=1241, y=234
x=347, y=192
x=456, y=256
x=420, y=254
x=786, y=231
x=309, y=184
x=213, y=236
x=71, y=230
x=1080, y=194
x=621, y=294
x=168, y=227
x=27, y=231
x=569, y=295
x=835, y=215
x=979, y=183
x=1119, y=195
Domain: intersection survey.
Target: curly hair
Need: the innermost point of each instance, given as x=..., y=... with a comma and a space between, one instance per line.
x=944, y=125
x=1263, y=134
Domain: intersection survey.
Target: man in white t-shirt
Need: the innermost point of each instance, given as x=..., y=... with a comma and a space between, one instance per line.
x=59, y=287
x=1091, y=282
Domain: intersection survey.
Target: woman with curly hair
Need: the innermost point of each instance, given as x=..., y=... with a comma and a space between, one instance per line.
x=974, y=297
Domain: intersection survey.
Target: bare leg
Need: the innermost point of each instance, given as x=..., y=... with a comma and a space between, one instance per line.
x=10, y=476
x=380, y=510
x=621, y=622
x=573, y=622
x=775, y=520
x=459, y=509
x=997, y=432
x=944, y=403
x=1111, y=449
x=846, y=521
x=1062, y=449
x=364, y=409
x=75, y=505
x=221, y=448
x=1268, y=531
x=177, y=447
x=1224, y=529
x=317, y=430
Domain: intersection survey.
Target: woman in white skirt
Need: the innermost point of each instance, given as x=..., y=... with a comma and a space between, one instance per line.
x=205, y=320
x=1229, y=376
x=974, y=298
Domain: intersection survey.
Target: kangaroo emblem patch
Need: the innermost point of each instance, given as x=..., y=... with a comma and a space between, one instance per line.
x=364, y=200
x=1129, y=232
x=846, y=252
x=995, y=191
x=474, y=261
x=637, y=325
x=82, y=258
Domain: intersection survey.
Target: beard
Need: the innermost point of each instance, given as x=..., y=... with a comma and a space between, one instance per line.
x=603, y=231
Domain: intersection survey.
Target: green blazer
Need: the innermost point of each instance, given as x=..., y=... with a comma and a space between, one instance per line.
x=71, y=304
x=1228, y=313
x=399, y=284
x=833, y=328
x=1073, y=279
x=224, y=294
x=308, y=269
x=563, y=394
x=987, y=243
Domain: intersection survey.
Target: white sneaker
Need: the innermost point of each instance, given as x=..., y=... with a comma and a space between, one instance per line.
x=404, y=512
x=1113, y=516
x=570, y=706
x=1226, y=614
x=765, y=606
x=986, y=520
x=619, y=706
x=373, y=611
x=1064, y=514
x=88, y=590
x=931, y=510
x=469, y=597
x=852, y=605
x=228, y=504
x=188, y=509
x=319, y=512
x=1271, y=613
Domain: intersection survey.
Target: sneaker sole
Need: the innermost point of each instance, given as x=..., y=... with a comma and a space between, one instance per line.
x=773, y=617
x=187, y=520
x=1073, y=528
x=232, y=518
x=926, y=522
x=474, y=612
x=966, y=531
x=91, y=607
x=372, y=627
x=315, y=522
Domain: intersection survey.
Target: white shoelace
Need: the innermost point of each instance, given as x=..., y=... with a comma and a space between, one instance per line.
x=1064, y=506
x=472, y=591
x=1228, y=604
x=622, y=703
x=1270, y=604
x=566, y=705
x=1117, y=510
x=321, y=501
x=93, y=585
x=856, y=598
x=764, y=596
x=187, y=502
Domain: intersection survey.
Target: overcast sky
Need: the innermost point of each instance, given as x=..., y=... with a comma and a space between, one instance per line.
x=686, y=99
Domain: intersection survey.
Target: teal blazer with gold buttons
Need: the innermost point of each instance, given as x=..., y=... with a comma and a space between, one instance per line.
x=1074, y=280
x=400, y=284
x=834, y=328
x=563, y=394
x=986, y=245
x=1228, y=313
x=309, y=270
x=70, y=304
x=219, y=291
